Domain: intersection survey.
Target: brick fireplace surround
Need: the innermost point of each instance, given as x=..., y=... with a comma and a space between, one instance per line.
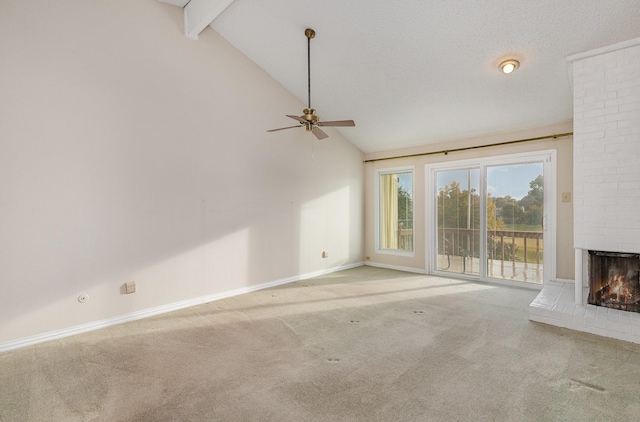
x=606, y=185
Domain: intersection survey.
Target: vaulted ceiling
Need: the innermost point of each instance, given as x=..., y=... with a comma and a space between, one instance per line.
x=416, y=72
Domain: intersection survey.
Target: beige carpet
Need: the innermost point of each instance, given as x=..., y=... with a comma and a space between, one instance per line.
x=361, y=345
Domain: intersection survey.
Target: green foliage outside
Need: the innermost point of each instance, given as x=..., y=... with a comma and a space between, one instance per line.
x=526, y=212
x=531, y=250
x=460, y=209
x=405, y=208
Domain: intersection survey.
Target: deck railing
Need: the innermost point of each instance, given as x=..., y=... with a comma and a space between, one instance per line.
x=405, y=237
x=507, y=246
x=504, y=245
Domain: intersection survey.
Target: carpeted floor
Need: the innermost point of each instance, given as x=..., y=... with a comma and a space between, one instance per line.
x=366, y=344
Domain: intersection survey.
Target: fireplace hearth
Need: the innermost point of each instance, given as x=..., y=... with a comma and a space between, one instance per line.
x=614, y=280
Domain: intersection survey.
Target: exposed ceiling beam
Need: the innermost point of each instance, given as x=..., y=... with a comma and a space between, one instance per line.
x=198, y=14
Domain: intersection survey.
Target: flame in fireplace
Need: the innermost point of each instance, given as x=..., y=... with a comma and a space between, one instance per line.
x=619, y=293
x=620, y=288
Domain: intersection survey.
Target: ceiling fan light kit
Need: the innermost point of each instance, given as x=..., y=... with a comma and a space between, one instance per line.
x=309, y=120
x=509, y=66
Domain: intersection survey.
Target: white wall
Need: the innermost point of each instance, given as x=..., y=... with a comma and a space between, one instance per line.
x=607, y=146
x=128, y=152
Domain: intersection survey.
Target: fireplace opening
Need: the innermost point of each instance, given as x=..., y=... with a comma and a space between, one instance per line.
x=614, y=280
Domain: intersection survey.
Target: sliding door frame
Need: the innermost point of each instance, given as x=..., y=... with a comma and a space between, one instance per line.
x=547, y=157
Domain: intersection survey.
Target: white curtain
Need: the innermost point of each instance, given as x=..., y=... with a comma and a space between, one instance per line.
x=389, y=211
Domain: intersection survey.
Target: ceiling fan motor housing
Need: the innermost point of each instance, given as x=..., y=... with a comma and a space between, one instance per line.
x=310, y=115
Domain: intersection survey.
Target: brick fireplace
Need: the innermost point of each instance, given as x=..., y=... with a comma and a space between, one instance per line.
x=606, y=172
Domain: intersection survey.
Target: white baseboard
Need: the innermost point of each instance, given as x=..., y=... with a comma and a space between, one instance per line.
x=145, y=313
x=396, y=267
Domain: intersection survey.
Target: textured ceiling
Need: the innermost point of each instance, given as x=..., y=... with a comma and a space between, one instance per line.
x=415, y=72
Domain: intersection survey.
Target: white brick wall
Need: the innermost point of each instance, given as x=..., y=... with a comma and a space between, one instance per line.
x=607, y=149
x=606, y=184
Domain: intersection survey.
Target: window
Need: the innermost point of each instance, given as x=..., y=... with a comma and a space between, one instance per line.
x=394, y=188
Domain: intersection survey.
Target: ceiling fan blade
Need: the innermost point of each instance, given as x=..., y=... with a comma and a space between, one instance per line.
x=283, y=128
x=319, y=133
x=337, y=123
x=298, y=118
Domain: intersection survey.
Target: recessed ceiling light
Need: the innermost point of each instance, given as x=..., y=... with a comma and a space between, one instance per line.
x=509, y=66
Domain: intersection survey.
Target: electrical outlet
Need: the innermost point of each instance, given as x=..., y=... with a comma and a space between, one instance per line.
x=130, y=287
x=368, y=258
x=566, y=196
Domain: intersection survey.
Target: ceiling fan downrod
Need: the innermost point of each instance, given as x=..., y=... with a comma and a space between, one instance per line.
x=310, y=33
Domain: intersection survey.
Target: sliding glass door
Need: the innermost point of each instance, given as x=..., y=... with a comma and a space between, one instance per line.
x=489, y=217
x=515, y=214
x=458, y=221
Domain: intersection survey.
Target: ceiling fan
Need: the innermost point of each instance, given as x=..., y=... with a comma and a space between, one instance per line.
x=309, y=119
